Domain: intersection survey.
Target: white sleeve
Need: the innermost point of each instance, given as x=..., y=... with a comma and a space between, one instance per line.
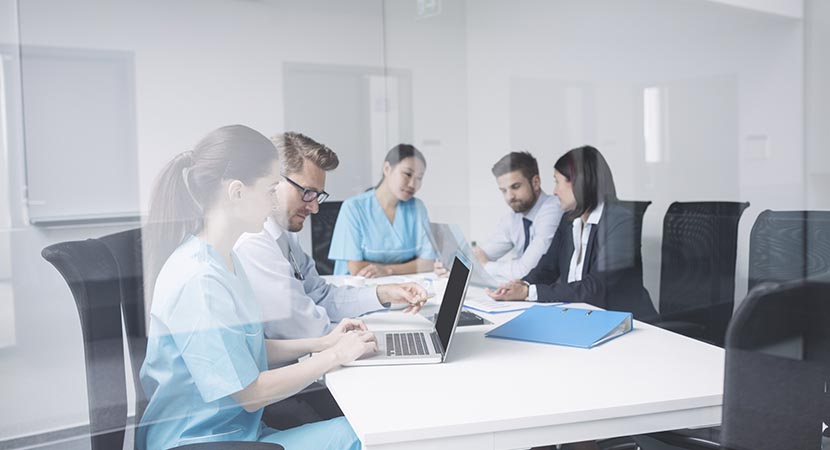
x=543, y=229
x=339, y=302
x=532, y=295
x=287, y=312
x=498, y=243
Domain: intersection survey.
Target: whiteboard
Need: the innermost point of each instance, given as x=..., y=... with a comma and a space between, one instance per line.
x=79, y=135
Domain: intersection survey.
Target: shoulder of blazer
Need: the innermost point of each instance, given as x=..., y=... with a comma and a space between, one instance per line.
x=565, y=224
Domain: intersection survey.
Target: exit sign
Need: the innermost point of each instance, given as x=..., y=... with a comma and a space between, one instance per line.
x=428, y=8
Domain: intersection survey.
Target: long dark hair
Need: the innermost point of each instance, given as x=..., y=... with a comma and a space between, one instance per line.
x=591, y=176
x=399, y=153
x=189, y=184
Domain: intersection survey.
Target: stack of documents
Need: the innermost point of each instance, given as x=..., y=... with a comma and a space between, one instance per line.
x=584, y=328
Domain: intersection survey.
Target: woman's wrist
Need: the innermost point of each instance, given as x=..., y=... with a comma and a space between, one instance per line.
x=332, y=359
x=323, y=343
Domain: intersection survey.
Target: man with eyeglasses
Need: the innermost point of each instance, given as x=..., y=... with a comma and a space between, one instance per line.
x=296, y=302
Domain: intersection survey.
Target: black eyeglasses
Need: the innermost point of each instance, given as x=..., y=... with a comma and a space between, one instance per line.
x=309, y=195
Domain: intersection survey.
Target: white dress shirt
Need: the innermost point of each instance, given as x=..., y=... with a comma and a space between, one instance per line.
x=295, y=308
x=581, y=235
x=509, y=235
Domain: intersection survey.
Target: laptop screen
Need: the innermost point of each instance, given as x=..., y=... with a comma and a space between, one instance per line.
x=448, y=240
x=451, y=304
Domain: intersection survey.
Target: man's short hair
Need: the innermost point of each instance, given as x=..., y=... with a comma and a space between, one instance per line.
x=521, y=161
x=295, y=148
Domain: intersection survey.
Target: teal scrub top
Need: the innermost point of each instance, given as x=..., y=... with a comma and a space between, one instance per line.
x=205, y=343
x=363, y=233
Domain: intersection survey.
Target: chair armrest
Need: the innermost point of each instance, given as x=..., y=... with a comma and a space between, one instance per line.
x=680, y=441
x=231, y=445
x=617, y=443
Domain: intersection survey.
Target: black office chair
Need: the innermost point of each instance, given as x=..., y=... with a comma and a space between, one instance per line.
x=789, y=245
x=697, y=271
x=322, y=228
x=638, y=208
x=777, y=373
x=106, y=278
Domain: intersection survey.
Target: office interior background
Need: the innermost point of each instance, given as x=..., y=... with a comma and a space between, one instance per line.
x=687, y=99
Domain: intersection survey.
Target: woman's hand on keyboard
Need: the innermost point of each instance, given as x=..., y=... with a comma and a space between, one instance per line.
x=345, y=326
x=353, y=345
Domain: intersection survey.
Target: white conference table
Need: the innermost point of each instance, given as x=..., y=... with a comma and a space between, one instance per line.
x=502, y=394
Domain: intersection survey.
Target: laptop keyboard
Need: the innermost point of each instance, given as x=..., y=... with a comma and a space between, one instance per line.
x=406, y=344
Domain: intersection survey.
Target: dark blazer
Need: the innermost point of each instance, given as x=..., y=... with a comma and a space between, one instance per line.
x=612, y=274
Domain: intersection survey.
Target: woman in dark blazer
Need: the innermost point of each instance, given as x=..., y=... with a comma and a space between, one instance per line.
x=594, y=257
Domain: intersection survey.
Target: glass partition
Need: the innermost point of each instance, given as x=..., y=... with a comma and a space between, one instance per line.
x=687, y=100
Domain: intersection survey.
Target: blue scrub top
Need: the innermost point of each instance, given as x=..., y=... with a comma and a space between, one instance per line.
x=363, y=233
x=205, y=343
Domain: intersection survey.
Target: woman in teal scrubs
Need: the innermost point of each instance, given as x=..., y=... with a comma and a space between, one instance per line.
x=206, y=371
x=384, y=230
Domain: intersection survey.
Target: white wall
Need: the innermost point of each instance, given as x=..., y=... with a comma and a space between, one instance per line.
x=434, y=48
x=203, y=64
x=8, y=333
x=817, y=102
x=788, y=8
x=729, y=73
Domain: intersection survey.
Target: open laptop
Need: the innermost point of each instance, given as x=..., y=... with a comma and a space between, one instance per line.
x=447, y=240
x=419, y=346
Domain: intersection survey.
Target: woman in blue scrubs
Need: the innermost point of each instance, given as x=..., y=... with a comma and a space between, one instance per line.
x=384, y=230
x=206, y=371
